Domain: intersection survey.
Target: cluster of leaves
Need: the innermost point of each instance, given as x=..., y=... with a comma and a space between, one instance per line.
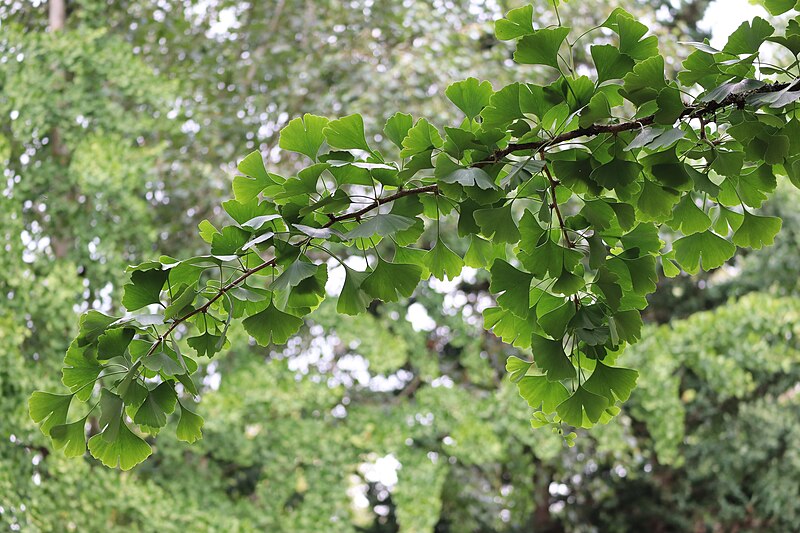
x=560, y=190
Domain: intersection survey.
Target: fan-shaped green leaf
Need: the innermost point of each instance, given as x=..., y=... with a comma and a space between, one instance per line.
x=582, y=409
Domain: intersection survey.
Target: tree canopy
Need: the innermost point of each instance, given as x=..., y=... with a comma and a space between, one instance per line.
x=560, y=191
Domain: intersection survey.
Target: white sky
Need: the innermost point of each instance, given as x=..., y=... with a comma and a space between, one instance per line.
x=723, y=17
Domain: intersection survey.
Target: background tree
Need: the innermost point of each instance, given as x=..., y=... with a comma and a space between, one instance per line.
x=261, y=463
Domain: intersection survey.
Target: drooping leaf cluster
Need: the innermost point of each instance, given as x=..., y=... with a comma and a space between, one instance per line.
x=558, y=190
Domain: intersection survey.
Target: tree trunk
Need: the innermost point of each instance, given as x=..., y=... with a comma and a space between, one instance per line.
x=57, y=20
x=58, y=14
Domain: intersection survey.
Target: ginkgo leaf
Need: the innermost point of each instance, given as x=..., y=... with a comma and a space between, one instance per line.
x=688, y=218
x=632, y=40
x=554, y=321
x=205, y=344
x=513, y=285
x=517, y=368
x=421, y=138
x=749, y=37
x=126, y=450
x=353, y=300
x=613, y=383
x=397, y=128
x=706, y=248
x=509, y=327
x=756, y=231
x=469, y=177
x=498, y=224
x=542, y=393
x=384, y=224
x=470, y=96
x=161, y=361
x=190, y=426
x=111, y=410
x=159, y=403
x=293, y=275
x=79, y=371
x=480, y=254
x=389, y=282
x=144, y=288
x=626, y=325
x=70, y=437
x=443, y=262
x=541, y=47
x=304, y=135
x=610, y=63
x=582, y=409
x=252, y=166
x=617, y=173
x=347, y=133
x=48, y=409
x=550, y=357
x=517, y=22
x=272, y=326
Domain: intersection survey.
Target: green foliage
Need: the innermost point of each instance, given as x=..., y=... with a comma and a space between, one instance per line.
x=561, y=200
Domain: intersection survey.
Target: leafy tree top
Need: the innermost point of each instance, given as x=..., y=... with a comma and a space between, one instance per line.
x=560, y=189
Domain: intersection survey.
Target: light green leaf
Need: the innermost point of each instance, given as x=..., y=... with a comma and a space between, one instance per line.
x=347, y=133
x=631, y=35
x=71, y=437
x=541, y=47
x=614, y=383
x=498, y=224
x=421, y=138
x=549, y=356
x=443, y=262
x=383, y=224
x=517, y=368
x=294, y=274
x=391, y=281
x=469, y=177
x=670, y=106
x=190, y=426
x=779, y=7
x=480, y=254
x=353, y=300
x=272, y=325
x=749, y=37
x=756, y=231
x=582, y=409
x=538, y=391
x=397, y=128
x=79, y=371
x=688, y=218
x=708, y=246
x=252, y=166
x=645, y=81
x=144, y=288
x=111, y=408
x=513, y=285
x=304, y=136
x=49, y=409
x=470, y=96
x=126, y=450
x=518, y=22
x=610, y=63
x=159, y=403
x=509, y=327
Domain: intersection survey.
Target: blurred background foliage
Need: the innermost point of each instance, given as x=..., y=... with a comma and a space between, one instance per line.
x=118, y=134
